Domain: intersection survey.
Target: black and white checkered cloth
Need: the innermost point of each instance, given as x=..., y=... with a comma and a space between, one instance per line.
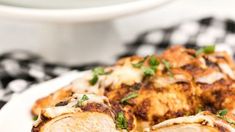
x=20, y=69
x=191, y=34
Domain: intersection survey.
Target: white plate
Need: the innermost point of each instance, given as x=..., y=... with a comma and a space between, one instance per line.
x=15, y=116
x=96, y=13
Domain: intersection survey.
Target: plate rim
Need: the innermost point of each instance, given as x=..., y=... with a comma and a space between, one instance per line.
x=8, y=109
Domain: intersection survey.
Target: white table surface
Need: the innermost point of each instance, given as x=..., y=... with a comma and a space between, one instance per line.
x=74, y=43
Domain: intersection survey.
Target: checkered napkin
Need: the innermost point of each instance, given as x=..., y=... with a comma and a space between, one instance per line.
x=21, y=69
x=191, y=34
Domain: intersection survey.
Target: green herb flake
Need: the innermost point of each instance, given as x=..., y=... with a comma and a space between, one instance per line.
x=154, y=68
x=137, y=65
x=80, y=101
x=222, y=113
x=129, y=96
x=140, y=63
x=35, y=118
x=170, y=74
x=98, y=71
x=200, y=51
x=148, y=71
x=168, y=67
x=121, y=121
x=153, y=61
x=166, y=64
x=207, y=50
x=230, y=121
x=94, y=80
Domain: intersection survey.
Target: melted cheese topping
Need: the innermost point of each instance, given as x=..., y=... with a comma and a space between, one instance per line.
x=166, y=81
x=184, y=120
x=201, y=118
x=210, y=78
x=53, y=112
x=123, y=74
x=187, y=128
x=60, y=110
x=227, y=70
x=82, y=85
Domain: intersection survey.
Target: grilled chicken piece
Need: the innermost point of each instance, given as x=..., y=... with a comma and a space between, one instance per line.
x=183, y=83
x=156, y=105
x=85, y=113
x=202, y=122
x=84, y=122
x=52, y=99
x=176, y=83
x=80, y=85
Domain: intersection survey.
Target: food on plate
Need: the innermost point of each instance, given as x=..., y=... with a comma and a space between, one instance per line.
x=83, y=112
x=202, y=122
x=148, y=91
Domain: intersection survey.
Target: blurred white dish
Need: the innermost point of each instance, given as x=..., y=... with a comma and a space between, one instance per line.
x=15, y=116
x=68, y=13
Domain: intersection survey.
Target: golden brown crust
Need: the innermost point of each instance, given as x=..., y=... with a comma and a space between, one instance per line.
x=52, y=99
x=184, y=98
x=177, y=56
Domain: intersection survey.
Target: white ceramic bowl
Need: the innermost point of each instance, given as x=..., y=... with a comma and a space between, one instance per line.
x=80, y=14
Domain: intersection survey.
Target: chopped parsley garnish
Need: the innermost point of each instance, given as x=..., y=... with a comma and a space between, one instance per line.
x=99, y=71
x=35, y=118
x=148, y=71
x=121, y=121
x=222, y=113
x=94, y=80
x=140, y=63
x=207, y=50
x=96, y=72
x=153, y=61
x=230, y=121
x=80, y=101
x=168, y=67
x=198, y=52
x=166, y=64
x=151, y=69
x=129, y=96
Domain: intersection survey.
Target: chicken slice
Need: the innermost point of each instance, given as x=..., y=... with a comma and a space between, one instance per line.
x=84, y=113
x=202, y=122
x=81, y=121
